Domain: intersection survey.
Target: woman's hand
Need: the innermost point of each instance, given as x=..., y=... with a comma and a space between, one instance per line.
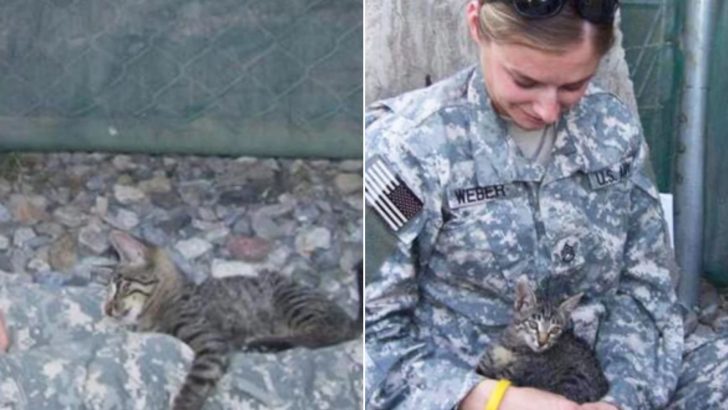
x=598, y=406
x=518, y=398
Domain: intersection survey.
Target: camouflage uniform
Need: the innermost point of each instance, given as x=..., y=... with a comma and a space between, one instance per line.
x=64, y=355
x=590, y=221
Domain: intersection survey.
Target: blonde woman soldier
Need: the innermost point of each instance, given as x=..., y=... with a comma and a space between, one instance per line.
x=518, y=166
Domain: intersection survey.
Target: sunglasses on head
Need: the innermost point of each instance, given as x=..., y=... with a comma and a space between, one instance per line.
x=595, y=11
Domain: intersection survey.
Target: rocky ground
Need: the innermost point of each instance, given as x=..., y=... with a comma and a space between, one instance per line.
x=217, y=216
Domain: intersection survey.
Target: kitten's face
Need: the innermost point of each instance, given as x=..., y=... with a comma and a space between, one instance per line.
x=541, y=328
x=539, y=325
x=133, y=283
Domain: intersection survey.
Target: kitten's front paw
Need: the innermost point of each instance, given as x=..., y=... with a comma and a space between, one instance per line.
x=494, y=361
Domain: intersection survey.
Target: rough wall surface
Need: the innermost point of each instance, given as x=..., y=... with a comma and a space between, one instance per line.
x=409, y=40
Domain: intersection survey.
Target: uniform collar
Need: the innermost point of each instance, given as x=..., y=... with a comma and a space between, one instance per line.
x=496, y=155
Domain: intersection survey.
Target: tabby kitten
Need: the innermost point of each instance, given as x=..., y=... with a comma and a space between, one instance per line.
x=539, y=349
x=269, y=312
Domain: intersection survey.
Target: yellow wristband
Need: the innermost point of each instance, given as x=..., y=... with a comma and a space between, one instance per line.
x=496, y=396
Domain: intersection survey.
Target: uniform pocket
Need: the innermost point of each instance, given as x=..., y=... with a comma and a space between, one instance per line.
x=488, y=244
x=582, y=263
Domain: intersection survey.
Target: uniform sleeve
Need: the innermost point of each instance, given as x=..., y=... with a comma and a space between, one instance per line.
x=403, y=369
x=641, y=340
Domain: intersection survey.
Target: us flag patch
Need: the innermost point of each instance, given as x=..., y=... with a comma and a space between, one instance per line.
x=389, y=195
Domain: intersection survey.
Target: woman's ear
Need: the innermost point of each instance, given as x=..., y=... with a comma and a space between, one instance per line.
x=472, y=16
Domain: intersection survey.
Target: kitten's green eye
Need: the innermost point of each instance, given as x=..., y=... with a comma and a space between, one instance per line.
x=555, y=330
x=532, y=325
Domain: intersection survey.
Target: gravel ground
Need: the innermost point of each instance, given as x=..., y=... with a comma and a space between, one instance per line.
x=217, y=216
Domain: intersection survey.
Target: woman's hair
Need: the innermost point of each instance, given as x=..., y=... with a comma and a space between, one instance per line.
x=500, y=22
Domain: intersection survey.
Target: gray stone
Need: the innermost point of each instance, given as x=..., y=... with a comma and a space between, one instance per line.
x=167, y=200
x=217, y=234
x=351, y=165
x=93, y=238
x=355, y=202
x=207, y=214
x=278, y=257
x=242, y=227
x=38, y=265
x=60, y=195
x=307, y=213
x=4, y=242
x=5, y=187
x=177, y=221
x=102, y=206
x=38, y=241
x=265, y=227
x=154, y=235
x=348, y=183
x=123, y=163
x=193, y=248
x=23, y=235
x=69, y=216
x=190, y=195
x=18, y=260
x=6, y=265
x=326, y=259
x=224, y=268
x=206, y=226
x=158, y=184
x=224, y=212
x=310, y=240
x=28, y=209
x=51, y=229
x=263, y=170
x=62, y=254
x=123, y=219
x=275, y=210
x=95, y=183
x=240, y=196
x=5, y=215
x=324, y=206
x=126, y=194
x=248, y=249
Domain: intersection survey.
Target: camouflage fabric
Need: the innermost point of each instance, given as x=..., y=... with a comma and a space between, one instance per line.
x=589, y=222
x=64, y=355
x=702, y=383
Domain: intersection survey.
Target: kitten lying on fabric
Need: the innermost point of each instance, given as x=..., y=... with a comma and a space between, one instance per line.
x=539, y=349
x=218, y=316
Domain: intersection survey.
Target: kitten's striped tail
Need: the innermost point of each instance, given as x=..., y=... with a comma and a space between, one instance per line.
x=209, y=365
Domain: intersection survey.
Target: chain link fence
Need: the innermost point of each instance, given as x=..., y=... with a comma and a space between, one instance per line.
x=272, y=77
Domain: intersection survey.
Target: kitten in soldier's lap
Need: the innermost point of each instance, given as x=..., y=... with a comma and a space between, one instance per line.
x=539, y=349
x=269, y=312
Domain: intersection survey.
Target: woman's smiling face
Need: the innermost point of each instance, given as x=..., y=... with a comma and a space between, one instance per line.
x=530, y=86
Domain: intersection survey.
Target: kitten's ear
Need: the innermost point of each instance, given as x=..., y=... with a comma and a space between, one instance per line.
x=571, y=303
x=131, y=251
x=525, y=298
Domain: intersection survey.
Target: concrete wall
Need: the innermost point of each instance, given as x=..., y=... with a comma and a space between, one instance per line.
x=407, y=40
